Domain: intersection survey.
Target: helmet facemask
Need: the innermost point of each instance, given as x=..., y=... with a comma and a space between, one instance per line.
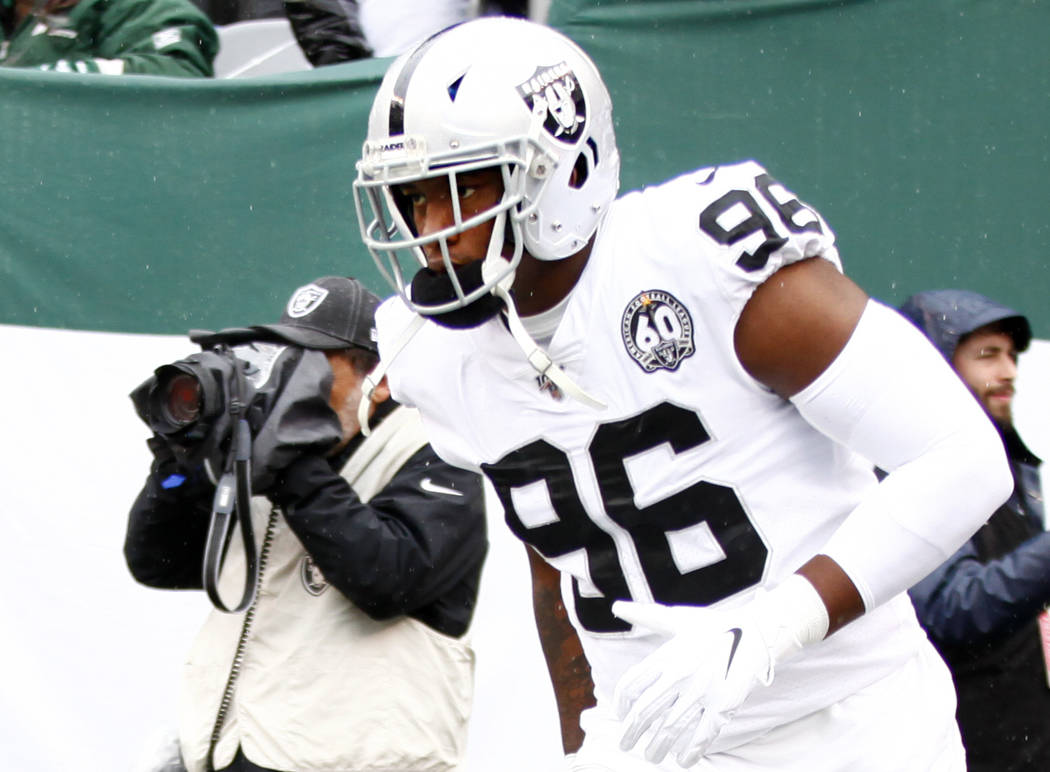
x=392, y=238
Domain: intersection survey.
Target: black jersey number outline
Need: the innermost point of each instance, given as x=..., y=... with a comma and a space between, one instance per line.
x=756, y=221
x=702, y=502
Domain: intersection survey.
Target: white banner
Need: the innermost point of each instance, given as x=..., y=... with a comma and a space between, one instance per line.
x=92, y=659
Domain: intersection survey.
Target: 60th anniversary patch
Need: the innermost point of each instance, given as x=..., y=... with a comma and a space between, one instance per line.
x=657, y=331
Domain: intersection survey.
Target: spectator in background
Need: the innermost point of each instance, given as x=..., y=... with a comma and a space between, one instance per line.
x=224, y=12
x=147, y=37
x=354, y=654
x=506, y=8
x=983, y=609
x=394, y=26
x=328, y=31
x=231, y=11
x=333, y=31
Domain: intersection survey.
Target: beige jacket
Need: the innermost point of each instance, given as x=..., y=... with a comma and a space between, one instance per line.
x=320, y=685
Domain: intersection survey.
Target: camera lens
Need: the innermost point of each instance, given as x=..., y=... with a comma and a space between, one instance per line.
x=182, y=400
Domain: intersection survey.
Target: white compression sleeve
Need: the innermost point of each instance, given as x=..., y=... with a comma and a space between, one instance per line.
x=892, y=398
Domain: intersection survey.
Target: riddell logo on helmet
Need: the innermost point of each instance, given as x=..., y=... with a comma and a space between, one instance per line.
x=556, y=91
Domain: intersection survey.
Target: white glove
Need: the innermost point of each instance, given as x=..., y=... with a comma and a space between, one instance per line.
x=688, y=689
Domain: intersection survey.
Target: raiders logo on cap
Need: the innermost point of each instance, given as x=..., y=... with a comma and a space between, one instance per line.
x=554, y=92
x=305, y=300
x=657, y=331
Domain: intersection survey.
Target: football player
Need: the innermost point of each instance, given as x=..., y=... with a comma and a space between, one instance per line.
x=678, y=398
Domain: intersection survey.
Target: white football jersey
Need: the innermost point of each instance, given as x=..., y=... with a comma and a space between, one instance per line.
x=696, y=484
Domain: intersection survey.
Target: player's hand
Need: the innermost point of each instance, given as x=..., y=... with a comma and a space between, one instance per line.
x=688, y=689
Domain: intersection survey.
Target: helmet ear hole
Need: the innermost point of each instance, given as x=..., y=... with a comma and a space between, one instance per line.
x=581, y=170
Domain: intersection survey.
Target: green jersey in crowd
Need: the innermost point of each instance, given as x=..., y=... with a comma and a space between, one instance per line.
x=154, y=37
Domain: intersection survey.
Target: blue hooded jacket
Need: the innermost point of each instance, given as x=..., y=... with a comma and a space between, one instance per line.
x=979, y=608
x=946, y=316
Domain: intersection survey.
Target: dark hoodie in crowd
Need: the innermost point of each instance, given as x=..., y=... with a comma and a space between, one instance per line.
x=981, y=607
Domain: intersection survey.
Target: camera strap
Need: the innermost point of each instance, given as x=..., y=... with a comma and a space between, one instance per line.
x=233, y=496
x=233, y=489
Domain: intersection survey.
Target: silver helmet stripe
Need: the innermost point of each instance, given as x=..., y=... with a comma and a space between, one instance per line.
x=397, y=100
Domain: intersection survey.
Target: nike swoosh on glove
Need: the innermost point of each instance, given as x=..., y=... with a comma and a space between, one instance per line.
x=687, y=690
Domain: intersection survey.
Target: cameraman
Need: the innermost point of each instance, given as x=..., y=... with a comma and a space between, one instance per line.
x=354, y=654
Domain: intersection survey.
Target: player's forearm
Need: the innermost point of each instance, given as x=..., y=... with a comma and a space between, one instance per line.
x=573, y=691
x=570, y=673
x=836, y=590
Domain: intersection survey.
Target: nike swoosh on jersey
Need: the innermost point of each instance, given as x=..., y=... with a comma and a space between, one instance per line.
x=431, y=487
x=737, y=635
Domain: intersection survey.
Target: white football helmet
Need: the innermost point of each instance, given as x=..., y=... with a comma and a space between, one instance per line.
x=494, y=92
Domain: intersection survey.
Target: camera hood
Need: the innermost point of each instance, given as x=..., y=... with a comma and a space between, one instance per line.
x=285, y=401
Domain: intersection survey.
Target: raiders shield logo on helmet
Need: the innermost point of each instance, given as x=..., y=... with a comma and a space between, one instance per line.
x=657, y=331
x=305, y=300
x=556, y=92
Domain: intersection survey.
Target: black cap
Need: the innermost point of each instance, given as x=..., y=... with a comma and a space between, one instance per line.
x=329, y=313
x=947, y=316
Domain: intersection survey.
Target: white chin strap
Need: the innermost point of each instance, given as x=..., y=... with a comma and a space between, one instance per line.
x=494, y=262
x=534, y=353
x=539, y=359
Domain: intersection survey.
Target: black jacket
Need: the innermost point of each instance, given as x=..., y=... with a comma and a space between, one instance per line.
x=403, y=552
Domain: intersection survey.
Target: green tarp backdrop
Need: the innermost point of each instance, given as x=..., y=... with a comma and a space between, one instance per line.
x=919, y=128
